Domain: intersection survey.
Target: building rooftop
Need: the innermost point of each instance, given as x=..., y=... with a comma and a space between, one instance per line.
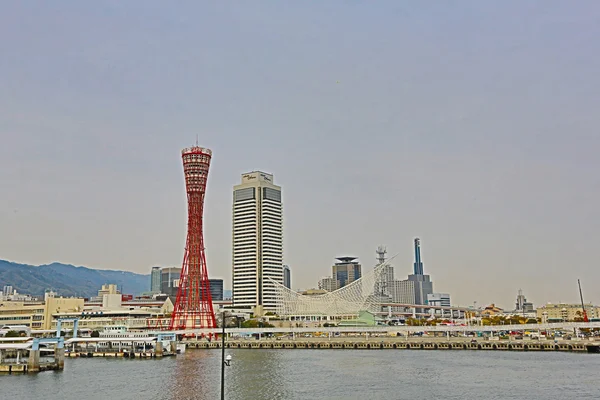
x=346, y=260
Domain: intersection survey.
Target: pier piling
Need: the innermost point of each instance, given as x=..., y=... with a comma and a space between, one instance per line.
x=33, y=363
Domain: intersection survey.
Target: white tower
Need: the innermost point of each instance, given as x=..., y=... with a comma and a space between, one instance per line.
x=386, y=278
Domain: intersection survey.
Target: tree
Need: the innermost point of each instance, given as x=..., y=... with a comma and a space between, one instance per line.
x=12, y=334
x=252, y=323
x=95, y=334
x=413, y=322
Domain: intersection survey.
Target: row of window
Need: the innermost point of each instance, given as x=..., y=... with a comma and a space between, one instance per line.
x=245, y=222
x=244, y=219
x=244, y=207
x=244, y=215
x=244, y=249
x=274, y=231
x=277, y=252
x=14, y=318
x=242, y=240
x=24, y=311
x=272, y=216
x=244, y=253
x=244, y=227
x=245, y=237
x=270, y=239
x=276, y=222
x=239, y=252
x=191, y=172
x=269, y=242
x=197, y=157
x=272, y=207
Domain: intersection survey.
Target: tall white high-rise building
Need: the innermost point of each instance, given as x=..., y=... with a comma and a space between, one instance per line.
x=257, y=241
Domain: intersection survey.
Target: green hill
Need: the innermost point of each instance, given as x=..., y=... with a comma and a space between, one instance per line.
x=68, y=280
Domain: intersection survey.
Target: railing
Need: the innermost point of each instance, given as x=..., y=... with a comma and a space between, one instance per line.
x=196, y=149
x=404, y=329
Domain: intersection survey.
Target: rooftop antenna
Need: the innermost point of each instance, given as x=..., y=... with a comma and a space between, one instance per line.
x=196, y=140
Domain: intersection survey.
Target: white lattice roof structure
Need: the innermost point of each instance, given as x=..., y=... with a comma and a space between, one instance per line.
x=348, y=300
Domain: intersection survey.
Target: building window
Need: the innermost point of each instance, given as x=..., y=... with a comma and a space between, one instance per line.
x=272, y=194
x=243, y=194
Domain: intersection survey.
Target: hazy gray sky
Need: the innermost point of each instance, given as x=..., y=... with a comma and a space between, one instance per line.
x=471, y=124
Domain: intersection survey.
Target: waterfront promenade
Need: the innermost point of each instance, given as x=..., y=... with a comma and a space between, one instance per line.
x=401, y=330
x=444, y=337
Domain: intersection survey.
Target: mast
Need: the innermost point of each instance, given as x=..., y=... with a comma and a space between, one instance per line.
x=585, y=317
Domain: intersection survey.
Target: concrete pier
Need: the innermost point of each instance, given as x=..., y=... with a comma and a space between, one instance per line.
x=59, y=356
x=23, y=354
x=33, y=363
x=13, y=361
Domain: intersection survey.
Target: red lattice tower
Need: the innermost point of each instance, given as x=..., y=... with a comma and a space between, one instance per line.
x=193, y=307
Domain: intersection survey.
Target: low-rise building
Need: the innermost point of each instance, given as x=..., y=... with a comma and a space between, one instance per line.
x=37, y=314
x=438, y=299
x=112, y=311
x=566, y=312
x=30, y=314
x=491, y=310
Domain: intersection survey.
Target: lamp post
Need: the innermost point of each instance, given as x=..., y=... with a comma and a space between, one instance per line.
x=223, y=356
x=225, y=361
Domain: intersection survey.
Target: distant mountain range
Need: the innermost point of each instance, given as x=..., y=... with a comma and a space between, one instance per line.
x=68, y=280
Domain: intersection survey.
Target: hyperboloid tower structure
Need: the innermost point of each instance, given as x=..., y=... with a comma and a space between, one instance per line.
x=193, y=307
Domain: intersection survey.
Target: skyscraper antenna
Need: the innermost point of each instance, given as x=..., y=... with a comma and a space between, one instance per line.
x=196, y=140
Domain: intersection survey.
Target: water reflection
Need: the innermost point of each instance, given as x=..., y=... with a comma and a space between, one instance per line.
x=257, y=375
x=195, y=375
x=252, y=375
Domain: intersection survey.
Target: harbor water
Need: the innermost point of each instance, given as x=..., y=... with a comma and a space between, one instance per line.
x=320, y=374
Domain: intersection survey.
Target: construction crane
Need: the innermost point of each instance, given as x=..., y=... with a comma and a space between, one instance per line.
x=585, y=317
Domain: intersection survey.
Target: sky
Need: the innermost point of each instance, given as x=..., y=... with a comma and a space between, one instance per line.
x=472, y=125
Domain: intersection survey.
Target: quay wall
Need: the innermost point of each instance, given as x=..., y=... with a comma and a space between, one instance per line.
x=24, y=368
x=399, y=345
x=114, y=354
